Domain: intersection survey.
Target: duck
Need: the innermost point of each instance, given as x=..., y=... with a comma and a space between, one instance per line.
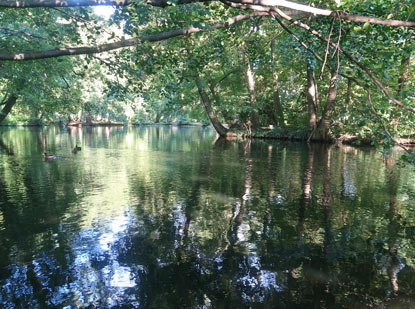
x=48, y=155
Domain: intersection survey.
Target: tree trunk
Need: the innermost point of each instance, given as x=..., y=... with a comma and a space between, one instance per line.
x=404, y=73
x=34, y=118
x=222, y=131
x=157, y=118
x=213, y=87
x=323, y=130
x=405, y=62
x=8, y=105
x=79, y=115
x=312, y=100
x=349, y=100
x=250, y=81
x=214, y=93
x=275, y=90
x=88, y=119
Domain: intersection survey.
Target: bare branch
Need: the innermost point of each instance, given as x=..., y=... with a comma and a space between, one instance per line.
x=66, y=82
x=374, y=20
x=325, y=12
x=327, y=50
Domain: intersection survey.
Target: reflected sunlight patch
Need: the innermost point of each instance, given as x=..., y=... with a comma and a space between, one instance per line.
x=1, y=221
x=104, y=11
x=121, y=277
x=96, y=265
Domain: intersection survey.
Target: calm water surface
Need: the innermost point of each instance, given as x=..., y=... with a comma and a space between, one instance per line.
x=167, y=217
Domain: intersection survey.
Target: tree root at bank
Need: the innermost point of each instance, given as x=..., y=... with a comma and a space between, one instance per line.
x=302, y=135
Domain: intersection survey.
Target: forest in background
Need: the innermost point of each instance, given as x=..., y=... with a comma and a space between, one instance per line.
x=325, y=70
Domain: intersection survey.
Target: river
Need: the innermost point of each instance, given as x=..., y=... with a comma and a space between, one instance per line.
x=169, y=217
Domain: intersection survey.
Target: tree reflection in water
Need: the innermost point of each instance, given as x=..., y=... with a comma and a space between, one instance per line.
x=164, y=217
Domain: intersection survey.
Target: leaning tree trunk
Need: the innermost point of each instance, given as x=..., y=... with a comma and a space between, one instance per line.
x=8, y=105
x=323, y=132
x=222, y=131
x=275, y=90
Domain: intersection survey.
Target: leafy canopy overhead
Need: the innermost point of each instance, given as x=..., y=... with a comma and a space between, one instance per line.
x=150, y=54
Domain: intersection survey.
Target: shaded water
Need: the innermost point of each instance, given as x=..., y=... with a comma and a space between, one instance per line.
x=166, y=217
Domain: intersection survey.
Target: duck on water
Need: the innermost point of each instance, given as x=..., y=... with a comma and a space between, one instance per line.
x=76, y=149
x=48, y=156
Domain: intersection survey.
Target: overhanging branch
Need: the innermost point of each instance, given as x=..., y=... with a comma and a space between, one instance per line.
x=164, y=3
x=78, y=3
x=161, y=36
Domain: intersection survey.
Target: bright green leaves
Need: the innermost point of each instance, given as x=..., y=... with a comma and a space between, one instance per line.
x=162, y=74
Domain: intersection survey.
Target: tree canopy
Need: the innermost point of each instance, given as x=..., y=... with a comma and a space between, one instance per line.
x=322, y=70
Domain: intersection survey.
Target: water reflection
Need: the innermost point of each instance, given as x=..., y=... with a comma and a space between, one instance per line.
x=172, y=217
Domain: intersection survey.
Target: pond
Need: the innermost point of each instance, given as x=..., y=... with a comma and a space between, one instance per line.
x=168, y=217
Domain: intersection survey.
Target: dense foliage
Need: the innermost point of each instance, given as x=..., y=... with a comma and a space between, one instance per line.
x=326, y=76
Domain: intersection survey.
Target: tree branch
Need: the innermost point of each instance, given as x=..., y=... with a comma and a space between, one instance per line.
x=81, y=19
x=3, y=101
x=33, y=35
x=327, y=50
x=225, y=76
x=325, y=12
x=56, y=41
x=60, y=3
x=349, y=56
x=165, y=3
x=9, y=103
x=77, y=3
x=66, y=82
x=31, y=55
x=349, y=78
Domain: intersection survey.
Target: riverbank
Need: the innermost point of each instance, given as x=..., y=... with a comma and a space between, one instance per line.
x=285, y=134
x=70, y=124
x=301, y=135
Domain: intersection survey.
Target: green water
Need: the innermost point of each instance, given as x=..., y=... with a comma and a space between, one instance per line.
x=167, y=217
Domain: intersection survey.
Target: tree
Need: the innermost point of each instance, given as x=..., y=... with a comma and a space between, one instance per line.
x=226, y=38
